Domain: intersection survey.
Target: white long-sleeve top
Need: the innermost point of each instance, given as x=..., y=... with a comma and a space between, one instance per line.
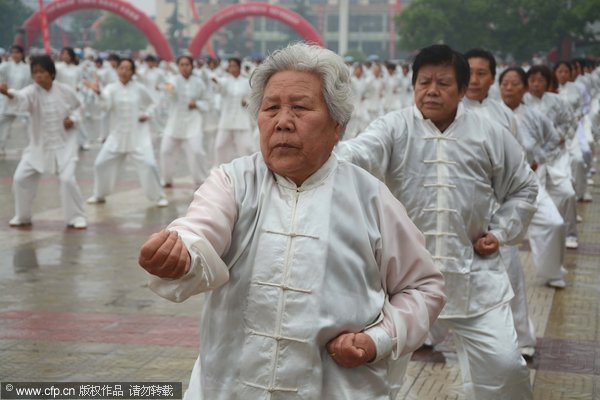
x=449, y=182
x=184, y=122
x=69, y=74
x=16, y=76
x=557, y=109
x=287, y=271
x=126, y=103
x=233, y=91
x=51, y=147
x=537, y=135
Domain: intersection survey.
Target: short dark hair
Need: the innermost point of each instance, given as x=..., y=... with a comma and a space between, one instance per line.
x=71, y=54
x=236, y=60
x=567, y=64
x=17, y=48
x=130, y=62
x=151, y=58
x=486, y=55
x=113, y=57
x=441, y=54
x=44, y=61
x=542, y=70
x=520, y=71
x=189, y=58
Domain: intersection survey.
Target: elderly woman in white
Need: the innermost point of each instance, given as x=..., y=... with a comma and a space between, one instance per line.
x=317, y=280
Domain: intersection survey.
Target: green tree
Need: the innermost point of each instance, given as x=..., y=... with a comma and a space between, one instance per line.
x=12, y=15
x=118, y=34
x=517, y=27
x=80, y=33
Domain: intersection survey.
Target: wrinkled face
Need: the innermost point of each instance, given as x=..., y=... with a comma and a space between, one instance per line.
x=437, y=94
x=481, y=79
x=562, y=74
x=125, y=71
x=185, y=67
x=538, y=85
x=297, y=134
x=512, y=89
x=41, y=77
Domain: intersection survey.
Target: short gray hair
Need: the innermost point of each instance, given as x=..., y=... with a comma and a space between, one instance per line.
x=330, y=68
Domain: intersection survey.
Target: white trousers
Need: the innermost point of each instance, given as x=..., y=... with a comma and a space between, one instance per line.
x=560, y=190
x=25, y=184
x=518, y=305
x=209, y=145
x=192, y=147
x=547, y=232
x=11, y=124
x=488, y=354
x=578, y=169
x=107, y=166
x=233, y=143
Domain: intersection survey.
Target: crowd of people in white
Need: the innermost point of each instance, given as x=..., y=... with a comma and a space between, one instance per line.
x=199, y=109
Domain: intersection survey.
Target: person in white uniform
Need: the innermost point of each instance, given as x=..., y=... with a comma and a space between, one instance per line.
x=52, y=148
x=450, y=168
x=547, y=229
x=302, y=302
x=129, y=106
x=234, y=135
x=188, y=98
x=16, y=74
x=558, y=181
x=69, y=71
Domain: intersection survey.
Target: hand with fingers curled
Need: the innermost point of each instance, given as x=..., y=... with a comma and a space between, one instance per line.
x=165, y=255
x=486, y=245
x=350, y=350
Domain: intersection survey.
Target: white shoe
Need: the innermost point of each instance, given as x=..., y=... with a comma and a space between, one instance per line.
x=78, y=223
x=571, y=242
x=587, y=197
x=590, y=181
x=163, y=202
x=96, y=200
x=527, y=351
x=579, y=218
x=15, y=221
x=557, y=283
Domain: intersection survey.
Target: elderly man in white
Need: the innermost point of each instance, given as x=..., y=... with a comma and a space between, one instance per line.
x=304, y=301
x=449, y=168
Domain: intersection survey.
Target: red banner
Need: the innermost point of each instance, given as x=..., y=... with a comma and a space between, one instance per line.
x=44, y=28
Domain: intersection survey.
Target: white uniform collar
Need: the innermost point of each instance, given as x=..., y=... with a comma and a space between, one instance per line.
x=316, y=179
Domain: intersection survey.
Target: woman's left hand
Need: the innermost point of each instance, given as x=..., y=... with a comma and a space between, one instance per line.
x=351, y=350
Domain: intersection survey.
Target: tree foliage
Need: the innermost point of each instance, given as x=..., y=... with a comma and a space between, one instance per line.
x=119, y=34
x=12, y=15
x=516, y=27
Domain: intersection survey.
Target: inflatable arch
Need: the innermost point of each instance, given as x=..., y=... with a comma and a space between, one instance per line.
x=239, y=11
x=122, y=8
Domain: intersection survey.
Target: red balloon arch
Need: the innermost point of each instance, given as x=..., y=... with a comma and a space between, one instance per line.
x=122, y=8
x=239, y=11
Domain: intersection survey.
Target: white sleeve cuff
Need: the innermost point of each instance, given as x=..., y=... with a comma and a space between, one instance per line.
x=383, y=342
